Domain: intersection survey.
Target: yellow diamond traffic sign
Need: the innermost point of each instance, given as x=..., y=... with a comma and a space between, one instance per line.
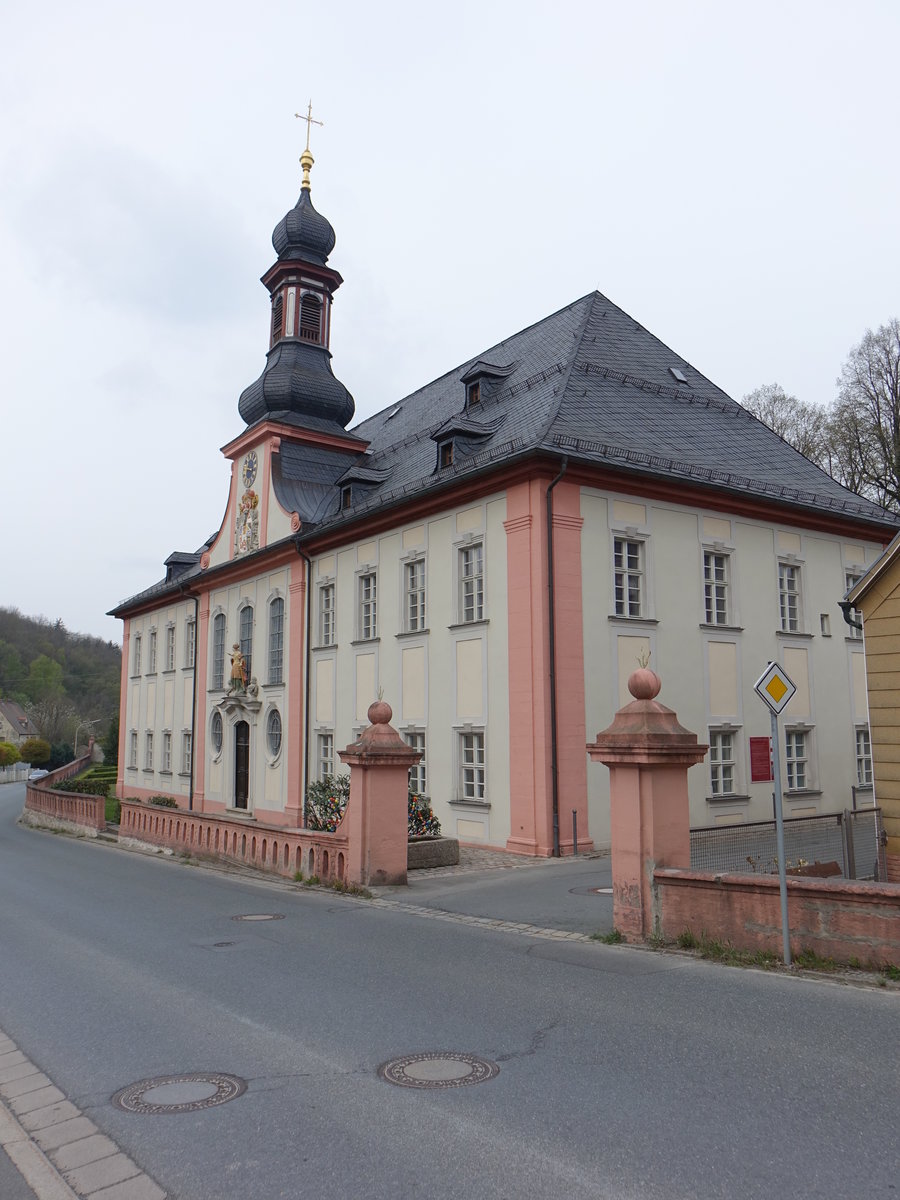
x=775, y=687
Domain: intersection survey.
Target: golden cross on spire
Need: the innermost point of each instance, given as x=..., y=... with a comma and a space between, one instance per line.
x=310, y=121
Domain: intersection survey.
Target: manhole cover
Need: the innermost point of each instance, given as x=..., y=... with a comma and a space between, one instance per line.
x=179, y=1093
x=584, y=891
x=259, y=917
x=437, y=1069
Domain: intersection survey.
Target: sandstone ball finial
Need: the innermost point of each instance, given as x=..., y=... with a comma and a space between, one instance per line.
x=644, y=684
x=380, y=713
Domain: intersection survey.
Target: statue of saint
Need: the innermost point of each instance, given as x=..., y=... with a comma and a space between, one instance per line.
x=238, y=670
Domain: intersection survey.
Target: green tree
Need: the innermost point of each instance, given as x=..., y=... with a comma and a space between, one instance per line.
x=45, y=679
x=110, y=742
x=9, y=754
x=35, y=750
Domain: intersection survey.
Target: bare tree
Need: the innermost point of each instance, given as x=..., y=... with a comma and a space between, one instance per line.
x=803, y=426
x=864, y=422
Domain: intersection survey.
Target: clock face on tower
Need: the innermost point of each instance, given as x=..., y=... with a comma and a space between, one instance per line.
x=248, y=473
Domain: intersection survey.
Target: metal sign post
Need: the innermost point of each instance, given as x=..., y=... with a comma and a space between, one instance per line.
x=775, y=688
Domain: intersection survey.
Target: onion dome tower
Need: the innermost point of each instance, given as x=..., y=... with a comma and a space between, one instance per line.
x=298, y=385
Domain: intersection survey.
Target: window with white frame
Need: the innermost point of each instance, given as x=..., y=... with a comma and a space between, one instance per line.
x=148, y=750
x=863, y=757
x=851, y=579
x=170, y=648
x=151, y=653
x=628, y=577
x=166, y=764
x=789, y=597
x=246, y=634
x=273, y=732
x=415, y=739
x=368, y=606
x=187, y=749
x=472, y=766
x=796, y=758
x=326, y=614
x=216, y=733
x=276, y=640
x=190, y=642
x=218, y=651
x=133, y=750
x=716, y=587
x=325, y=754
x=721, y=762
x=471, y=583
x=136, y=665
x=414, y=595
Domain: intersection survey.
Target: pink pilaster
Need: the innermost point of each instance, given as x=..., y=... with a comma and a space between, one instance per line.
x=377, y=816
x=123, y=707
x=201, y=662
x=293, y=809
x=648, y=754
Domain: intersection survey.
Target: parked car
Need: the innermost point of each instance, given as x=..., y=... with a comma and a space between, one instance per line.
x=38, y=774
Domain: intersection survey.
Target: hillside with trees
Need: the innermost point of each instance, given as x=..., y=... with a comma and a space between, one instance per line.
x=66, y=682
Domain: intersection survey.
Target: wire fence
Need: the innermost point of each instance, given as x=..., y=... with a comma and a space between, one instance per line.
x=848, y=845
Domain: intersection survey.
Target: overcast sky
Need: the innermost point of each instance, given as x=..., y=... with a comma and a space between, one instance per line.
x=727, y=174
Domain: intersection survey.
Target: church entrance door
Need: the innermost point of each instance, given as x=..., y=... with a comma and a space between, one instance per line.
x=241, y=764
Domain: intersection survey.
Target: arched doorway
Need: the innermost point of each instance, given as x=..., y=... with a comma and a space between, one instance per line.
x=241, y=764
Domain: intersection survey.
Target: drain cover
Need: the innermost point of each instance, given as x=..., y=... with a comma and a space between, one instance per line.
x=437, y=1069
x=583, y=891
x=259, y=917
x=179, y=1093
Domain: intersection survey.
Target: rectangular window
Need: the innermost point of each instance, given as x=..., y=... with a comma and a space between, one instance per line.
x=471, y=746
x=415, y=738
x=186, y=751
x=471, y=583
x=789, y=597
x=368, y=607
x=133, y=750
x=276, y=641
x=715, y=587
x=148, y=751
x=851, y=580
x=137, y=655
x=796, y=759
x=863, y=758
x=326, y=614
x=151, y=653
x=170, y=647
x=325, y=754
x=166, y=764
x=218, y=654
x=414, y=579
x=628, y=576
x=190, y=643
x=721, y=762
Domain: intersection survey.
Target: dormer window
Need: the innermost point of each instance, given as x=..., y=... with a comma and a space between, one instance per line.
x=310, y=318
x=473, y=394
x=445, y=454
x=277, y=318
x=346, y=498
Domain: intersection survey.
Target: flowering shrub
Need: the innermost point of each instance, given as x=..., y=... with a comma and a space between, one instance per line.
x=326, y=801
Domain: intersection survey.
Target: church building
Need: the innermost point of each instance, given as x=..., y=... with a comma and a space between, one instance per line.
x=494, y=555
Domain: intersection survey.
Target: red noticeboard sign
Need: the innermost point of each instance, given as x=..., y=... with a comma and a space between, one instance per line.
x=761, y=760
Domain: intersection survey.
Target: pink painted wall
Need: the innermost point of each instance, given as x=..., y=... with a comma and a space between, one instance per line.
x=841, y=919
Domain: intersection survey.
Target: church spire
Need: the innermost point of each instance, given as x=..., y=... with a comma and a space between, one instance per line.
x=298, y=381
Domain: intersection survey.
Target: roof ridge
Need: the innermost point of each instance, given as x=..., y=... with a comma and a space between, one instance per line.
x=567, y=373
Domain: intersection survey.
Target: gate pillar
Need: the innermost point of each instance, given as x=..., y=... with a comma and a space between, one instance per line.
x=648, y=754
x=377, y=818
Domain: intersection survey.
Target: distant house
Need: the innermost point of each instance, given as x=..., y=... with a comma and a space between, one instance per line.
x=494, y=553
x=15, y=726
x=875, y=598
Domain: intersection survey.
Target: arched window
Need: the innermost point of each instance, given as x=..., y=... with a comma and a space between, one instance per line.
x=277, y=318
x=218, y=651
x=246, y=627
x=273, y=732
x=310, y=318
x=276, y=640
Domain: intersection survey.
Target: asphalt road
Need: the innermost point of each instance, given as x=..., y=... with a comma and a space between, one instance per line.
x=622, y=1073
